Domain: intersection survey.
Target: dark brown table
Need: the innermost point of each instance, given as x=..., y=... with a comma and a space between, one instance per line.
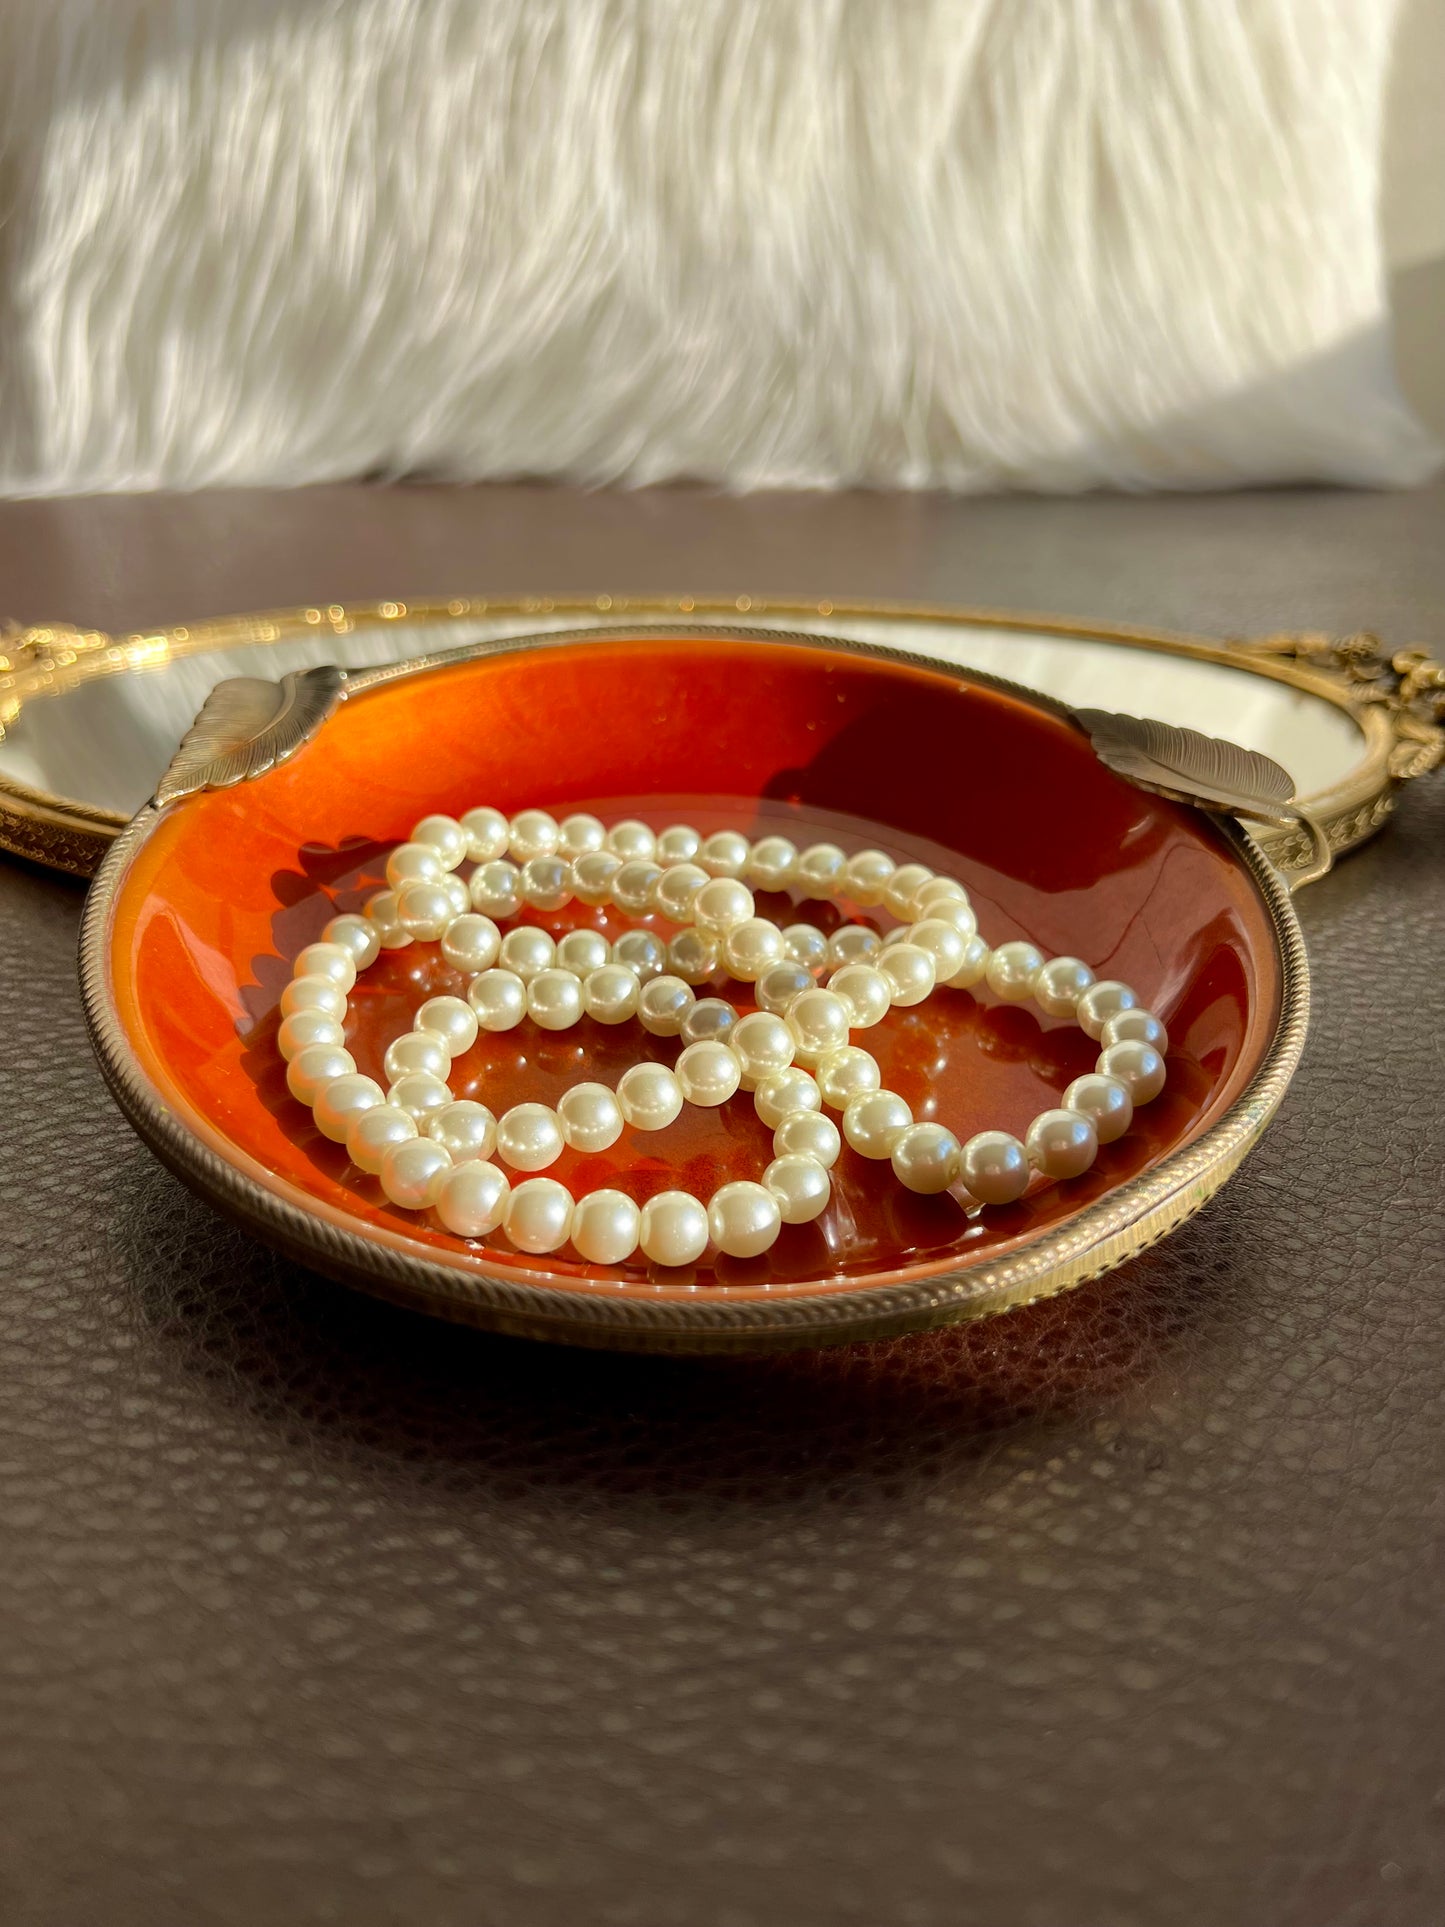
x=1120, y=1613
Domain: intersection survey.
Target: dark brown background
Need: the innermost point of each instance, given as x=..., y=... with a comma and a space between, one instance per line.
x=1124, y=1613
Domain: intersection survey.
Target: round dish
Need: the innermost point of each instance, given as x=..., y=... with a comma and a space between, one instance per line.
x=201, y=906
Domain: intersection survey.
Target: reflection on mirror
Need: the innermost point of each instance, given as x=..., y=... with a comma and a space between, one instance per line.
x=107, y=741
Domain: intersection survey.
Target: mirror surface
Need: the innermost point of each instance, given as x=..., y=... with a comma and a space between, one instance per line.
x=106, y=742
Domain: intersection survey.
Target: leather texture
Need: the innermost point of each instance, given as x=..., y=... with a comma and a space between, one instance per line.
x=1123, y=1612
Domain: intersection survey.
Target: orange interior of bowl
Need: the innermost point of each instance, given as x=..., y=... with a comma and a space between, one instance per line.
x=720, y=733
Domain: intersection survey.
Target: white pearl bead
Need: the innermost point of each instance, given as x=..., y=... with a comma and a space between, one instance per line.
x=471, y=1199
x=783, y=1093
x=313, y=993
x=943, y=943
x=499, y=997
x=529, y=1137
x=664, y=1004
x=580, y=834
x=610, y=995
x=678, y=843
x=425, y=910
x=974, y=967
x=471, y=943
x=592, y=877
x=673, y=1229
x=412, y=1172
x=373, y=1132
x=925, y=1158
x=693, y=957
x=444, y=835
x=590, y=1116
x=1013, y=970
x=328, y=960
x=312, y=1069
x=496, y=889
x=356, y=936
x=720, y=904
x=539, y=1215
x=1138, y=1066
x=631, y=841
x=773, y=864
x=804, y=944
x=937, y=890
x=605, y=1227
x=710, y=1020
x=533, y=833
x=744, y=1219
x=642, y=952
x=420, y=1093
x=846, y=1074
x=463, y=1129
x=526, y=950
x=633, y=886
x=708, y=1074
x=384, y=915
x=854, y=943
x=583, y=951
x=725, y=854
x=451, y=1019
x=808, y=1134
x=487, y=834
x=994, y=1167
x=458, y=895
x=751, y=948
x=820, y=869
x=762, y=1044
x=909, y=971
x=1060, y=984
x=1136, y=1026
x=305, y=1027
x=546, y=882
x=342, y=1101
x=953, y=911
x=416, y=1050
x=1061, y=1144
x=779, y=985
x=649, y=1096
x=866, y=991
x=1104, y=1101
x=866, y=876
x=820, y=1021
x=675, y=891
x=874, y=1123
x=554, y=999
x=903, y=886
x=413, y=863
x=801, y=1186
x=1099, y=1003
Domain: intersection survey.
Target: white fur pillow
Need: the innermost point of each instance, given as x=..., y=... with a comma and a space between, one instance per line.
x=968, y=243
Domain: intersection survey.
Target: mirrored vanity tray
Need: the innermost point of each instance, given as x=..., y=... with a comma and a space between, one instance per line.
x=88, y=721
x=203, y=904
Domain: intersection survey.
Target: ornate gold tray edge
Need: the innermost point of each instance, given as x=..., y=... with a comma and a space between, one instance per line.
x=1103, y=1235
x=1397, y=701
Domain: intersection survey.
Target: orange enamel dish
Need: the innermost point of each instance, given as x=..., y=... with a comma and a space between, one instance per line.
x=202, y=905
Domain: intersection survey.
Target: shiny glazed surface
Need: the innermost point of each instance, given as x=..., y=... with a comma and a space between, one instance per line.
x=755, y=736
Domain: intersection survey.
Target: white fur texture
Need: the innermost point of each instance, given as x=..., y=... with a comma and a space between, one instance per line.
x=961, y=243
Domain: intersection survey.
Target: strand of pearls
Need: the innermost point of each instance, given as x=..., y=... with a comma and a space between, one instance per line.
x=793, y=1054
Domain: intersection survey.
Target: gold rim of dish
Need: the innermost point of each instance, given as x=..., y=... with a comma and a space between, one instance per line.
x=1098, y=1237
x=71, y=835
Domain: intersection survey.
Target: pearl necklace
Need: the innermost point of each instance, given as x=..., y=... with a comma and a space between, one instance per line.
x=792, y=1054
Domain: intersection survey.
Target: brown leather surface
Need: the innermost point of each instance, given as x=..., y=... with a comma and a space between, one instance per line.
x=1120, y=1613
